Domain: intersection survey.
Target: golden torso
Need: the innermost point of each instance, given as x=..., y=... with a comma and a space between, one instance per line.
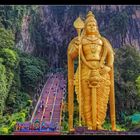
x=92, y=49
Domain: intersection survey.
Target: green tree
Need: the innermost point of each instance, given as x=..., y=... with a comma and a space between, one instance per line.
x=10, y=57
x=127, y=69
x=138, y=85
x=32, y=70
x=6, y=38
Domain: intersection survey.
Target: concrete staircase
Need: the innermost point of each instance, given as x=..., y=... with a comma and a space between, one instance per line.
x=52, y=100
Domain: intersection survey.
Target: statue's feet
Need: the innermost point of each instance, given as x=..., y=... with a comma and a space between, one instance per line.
x=115, y=129
x=100, y=128
x=89, y=127
x=72, y=129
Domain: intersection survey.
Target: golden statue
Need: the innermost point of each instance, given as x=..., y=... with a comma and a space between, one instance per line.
x=94, y=77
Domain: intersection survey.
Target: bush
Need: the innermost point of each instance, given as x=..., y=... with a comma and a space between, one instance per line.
x=17, y=101
x=3, y=88
x=10, y=58
x=6, y=38
x=8, y=122
x=127, y=69
x=32, y=70
x=138, y=85
x=4, y=130
x=107, y=126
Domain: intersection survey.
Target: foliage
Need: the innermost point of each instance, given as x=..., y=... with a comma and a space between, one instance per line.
x=4, y=130
x=3, y=89
x=7, y=122
x=10, y=57
x=138, y=85
x=11, y=15
x=6, y=38
x=9, y=60
x=15, y=102
x=127, y=69
x=64, y=126
x=32, y=70
x=107, y=126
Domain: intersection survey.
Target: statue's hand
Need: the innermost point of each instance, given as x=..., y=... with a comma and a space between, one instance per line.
x=77, y=42
x=104, y=70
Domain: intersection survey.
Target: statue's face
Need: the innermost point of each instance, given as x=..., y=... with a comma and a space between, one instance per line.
x=91, y=28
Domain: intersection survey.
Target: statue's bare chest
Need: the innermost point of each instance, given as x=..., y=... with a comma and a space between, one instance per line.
x=92, y=48
x=92, y=51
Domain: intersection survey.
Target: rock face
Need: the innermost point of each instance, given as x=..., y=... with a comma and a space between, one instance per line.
x=25, y=42
x=133, y=30
x=120, y=24
x=26, y=35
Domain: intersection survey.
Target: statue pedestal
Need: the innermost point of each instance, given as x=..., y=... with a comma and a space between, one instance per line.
x=85, y=131
x=80, y=130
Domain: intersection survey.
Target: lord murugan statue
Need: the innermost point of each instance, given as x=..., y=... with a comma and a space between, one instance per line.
x=93, y=80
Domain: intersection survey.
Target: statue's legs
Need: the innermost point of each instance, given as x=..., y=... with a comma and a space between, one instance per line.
x=102, y=101
x=87, y=104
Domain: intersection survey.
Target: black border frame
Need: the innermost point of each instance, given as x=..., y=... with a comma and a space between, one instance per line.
x=69, y=2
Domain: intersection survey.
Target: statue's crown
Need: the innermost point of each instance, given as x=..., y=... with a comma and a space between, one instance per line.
x=90, y=17
x=90, y=14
